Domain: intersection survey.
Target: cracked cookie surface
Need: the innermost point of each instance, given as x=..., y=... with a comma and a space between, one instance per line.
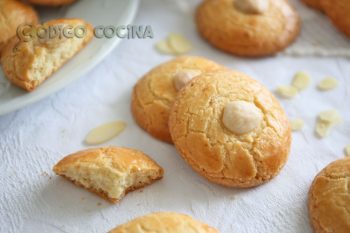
x=329, y=198
x=212, y=150
x=155, y=92
x=250, y=35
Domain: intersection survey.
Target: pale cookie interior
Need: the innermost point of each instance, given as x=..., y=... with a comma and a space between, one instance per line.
x=252, y=6
x=241, y=117
x=107, y=177
x=182, y=77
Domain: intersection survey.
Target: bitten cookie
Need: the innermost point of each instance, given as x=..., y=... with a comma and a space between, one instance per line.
x=339, y=12
x=249, y=28
x=155, y=92
x=51, y=2
x=27, y=64
x=14, y=13
x=329, y=198
x=164, y=223
x=109, y=172
x=230, y=129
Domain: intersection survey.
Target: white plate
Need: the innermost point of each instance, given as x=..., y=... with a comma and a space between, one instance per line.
x=106, y=12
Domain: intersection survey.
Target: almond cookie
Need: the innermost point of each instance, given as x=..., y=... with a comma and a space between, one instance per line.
x=249, y=28
x=12, y=14
x=109, y=172
x=51, y=2
x=329, y=198
x=230, y=129
x=27, y=64
x=339, y=12
x=164, y=223
x=155, y=92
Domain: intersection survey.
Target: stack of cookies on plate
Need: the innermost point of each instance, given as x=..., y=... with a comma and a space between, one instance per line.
x=29, y=57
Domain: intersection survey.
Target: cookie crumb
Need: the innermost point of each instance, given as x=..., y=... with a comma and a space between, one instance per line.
x=327, y=84
x=99, y=204
x=301, y=81
x=297, y=124
x=287, y=92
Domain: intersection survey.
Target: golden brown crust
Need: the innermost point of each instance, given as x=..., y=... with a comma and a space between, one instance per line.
x=316, y=4
x=248, y=35
x=122, y=161
x=155, y=92
x=213, y=151
x=12, y=14
x=338, y=12
x=329, y=198
x=18, y=57
x=164, y=222
x=53, y=3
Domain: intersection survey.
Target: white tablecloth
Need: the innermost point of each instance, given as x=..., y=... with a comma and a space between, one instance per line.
x=32, y=140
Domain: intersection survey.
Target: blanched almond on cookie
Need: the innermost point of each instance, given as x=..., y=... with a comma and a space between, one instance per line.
x=109, y=172
x=27, y=64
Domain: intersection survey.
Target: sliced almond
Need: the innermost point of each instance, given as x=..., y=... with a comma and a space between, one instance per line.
x=301, y=81
x=327, y=84
x=287, y=92
x=326, y=121
x=297, y=124
x=179, y=44
x=331, y=116
x=347, y=150
x=164, y=48
x=323, y=129
x=105, y=132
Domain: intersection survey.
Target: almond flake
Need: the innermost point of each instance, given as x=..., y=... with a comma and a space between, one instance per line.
x=287, y=92
x=105, y=132
x=327, y=84
x=331, y=116
x=323, y=129
x=301, y=81
x=297, y=124
x=164, y=48
x=179, y=44
x=347, y=150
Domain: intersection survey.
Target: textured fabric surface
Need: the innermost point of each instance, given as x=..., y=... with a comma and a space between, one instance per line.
x=32, y=140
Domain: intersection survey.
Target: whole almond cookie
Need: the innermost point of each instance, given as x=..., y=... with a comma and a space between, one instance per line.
x=230, y=129
x=339, y=12
x=155, y=92
x=329, y=198
x=249, y=28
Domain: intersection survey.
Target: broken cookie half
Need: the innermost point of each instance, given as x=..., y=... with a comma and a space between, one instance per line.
x=40, y=50
x=110, y=172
